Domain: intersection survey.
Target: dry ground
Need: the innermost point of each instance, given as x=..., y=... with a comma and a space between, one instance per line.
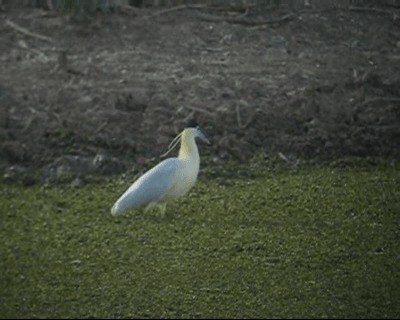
x=101, y=95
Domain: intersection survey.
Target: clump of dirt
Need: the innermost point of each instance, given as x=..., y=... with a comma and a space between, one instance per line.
x=311, y=83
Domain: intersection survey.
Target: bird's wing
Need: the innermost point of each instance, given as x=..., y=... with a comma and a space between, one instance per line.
x=151, y=187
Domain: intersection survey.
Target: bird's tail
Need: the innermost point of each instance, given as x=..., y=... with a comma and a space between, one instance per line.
x=117, y=209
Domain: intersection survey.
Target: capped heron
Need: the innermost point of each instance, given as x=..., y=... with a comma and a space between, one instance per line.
x=170, y=179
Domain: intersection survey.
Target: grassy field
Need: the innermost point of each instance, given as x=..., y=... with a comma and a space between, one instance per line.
x=311, y=242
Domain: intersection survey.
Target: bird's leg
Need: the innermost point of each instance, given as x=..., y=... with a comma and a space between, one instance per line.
x=149, y=207
x=163, y=208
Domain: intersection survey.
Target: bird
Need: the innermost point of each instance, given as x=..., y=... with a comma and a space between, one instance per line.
x=170, y=179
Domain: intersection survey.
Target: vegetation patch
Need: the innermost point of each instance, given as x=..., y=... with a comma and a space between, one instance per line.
x=306, y=242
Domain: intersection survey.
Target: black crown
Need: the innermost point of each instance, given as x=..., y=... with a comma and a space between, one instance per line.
x=192, y=124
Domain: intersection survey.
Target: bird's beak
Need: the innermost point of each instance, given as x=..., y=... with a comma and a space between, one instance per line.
x=203, y=138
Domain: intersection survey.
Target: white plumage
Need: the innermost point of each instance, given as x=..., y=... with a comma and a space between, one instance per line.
x=168, y=180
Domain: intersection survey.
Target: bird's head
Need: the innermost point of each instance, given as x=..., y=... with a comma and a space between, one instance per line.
x=191, y=129
x=194, y=129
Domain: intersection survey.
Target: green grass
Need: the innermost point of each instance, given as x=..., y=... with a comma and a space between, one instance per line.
x=312, y=242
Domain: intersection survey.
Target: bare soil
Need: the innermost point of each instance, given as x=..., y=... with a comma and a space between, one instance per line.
x=100, y=96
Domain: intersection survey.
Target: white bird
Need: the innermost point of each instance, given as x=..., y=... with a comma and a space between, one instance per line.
x=170, y=179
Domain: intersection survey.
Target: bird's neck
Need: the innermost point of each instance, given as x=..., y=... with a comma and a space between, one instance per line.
x=188, y=150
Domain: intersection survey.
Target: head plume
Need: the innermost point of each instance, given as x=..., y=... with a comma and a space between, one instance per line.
x=192, y=124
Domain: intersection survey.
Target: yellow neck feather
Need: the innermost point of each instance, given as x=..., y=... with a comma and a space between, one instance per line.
x=188, y=145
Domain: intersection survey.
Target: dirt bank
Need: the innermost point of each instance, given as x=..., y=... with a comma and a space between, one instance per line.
x=113, y=92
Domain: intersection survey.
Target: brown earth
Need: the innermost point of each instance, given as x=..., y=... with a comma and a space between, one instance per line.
x=102, y=96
